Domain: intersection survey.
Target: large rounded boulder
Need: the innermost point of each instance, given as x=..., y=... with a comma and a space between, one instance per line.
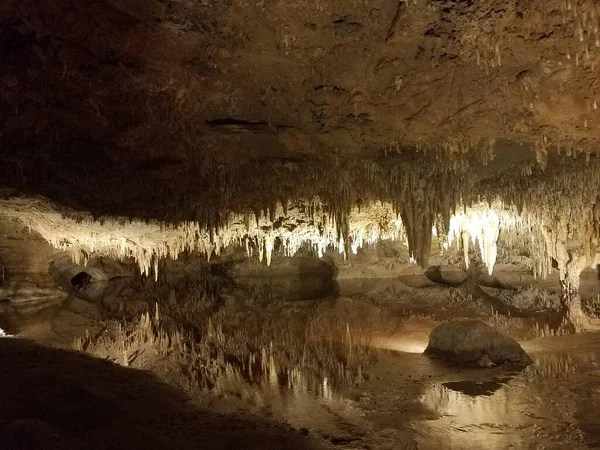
x=473, y=342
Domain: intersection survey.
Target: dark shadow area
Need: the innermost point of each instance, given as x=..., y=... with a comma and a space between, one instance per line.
x=55, y=399
x=81, y=281
x=475, y=388
x=587, y=413
x=303, y=278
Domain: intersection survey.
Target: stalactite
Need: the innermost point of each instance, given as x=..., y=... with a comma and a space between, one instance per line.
x=418, y=219
x=465, y=245
x=148, y=243
x=357, y=205
x=482, y=224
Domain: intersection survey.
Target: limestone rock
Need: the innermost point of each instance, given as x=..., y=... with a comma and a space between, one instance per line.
x=473, y=342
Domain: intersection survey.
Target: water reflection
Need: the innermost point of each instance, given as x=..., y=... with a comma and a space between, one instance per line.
x=470, y=421
x=302, y=362
x=291, y=287
x=302, y=398
x=553, y=366
x=551, y=404
x=476, y=388
x=484, y=412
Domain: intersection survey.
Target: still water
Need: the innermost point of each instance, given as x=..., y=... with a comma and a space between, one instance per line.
x=392, y=396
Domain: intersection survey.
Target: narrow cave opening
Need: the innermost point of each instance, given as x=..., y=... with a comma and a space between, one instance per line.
x=81, y=281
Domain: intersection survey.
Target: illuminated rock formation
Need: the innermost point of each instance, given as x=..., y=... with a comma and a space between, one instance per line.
x=559, y=210
x=482, y=225
x=552, y=212
x=302, y=224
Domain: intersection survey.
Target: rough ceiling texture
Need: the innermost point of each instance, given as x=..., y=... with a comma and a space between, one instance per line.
x=211, y=110
x=95, y=91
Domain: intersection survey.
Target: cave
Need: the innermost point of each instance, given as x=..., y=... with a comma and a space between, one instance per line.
x=230, y=224
x=81, y=281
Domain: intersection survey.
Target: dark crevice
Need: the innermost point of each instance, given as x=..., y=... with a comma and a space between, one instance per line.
x=81, y=281
x=332, y=88
x=392, y=30
x=232, y=124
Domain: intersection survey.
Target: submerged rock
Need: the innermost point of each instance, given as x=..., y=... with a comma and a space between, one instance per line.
x=473, y=342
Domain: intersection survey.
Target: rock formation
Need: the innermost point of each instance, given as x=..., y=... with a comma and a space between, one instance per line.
x=160, y=128
x=472, y=342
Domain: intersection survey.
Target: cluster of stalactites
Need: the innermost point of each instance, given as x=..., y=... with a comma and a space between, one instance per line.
x=481, y=224
x=478, y=225
x=560, y=210
x=545, y=239
x=291, y=226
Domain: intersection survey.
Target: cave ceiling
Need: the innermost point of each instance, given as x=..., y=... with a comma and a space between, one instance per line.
x=119, y=105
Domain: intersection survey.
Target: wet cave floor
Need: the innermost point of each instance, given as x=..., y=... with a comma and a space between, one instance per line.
x=249, y=369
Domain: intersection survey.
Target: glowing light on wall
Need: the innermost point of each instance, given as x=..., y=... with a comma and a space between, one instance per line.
x=3, y=334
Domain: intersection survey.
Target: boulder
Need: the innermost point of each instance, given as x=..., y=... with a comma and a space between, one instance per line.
x=446, y=275
x=473, y=342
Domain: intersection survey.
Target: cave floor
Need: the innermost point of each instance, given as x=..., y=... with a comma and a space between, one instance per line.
x=401, y=399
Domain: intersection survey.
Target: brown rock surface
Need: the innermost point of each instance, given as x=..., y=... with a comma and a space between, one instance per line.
x=169, y=90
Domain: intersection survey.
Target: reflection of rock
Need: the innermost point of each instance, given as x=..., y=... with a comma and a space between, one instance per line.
x=74, y=317
x=23, y=299
x=26, y=287
x=476, y=388
x=290, y=287
x=528, y=299
x=281, y=265
x=474, y=342
x=446, y=275
x=290, y=278
x=92, y=281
